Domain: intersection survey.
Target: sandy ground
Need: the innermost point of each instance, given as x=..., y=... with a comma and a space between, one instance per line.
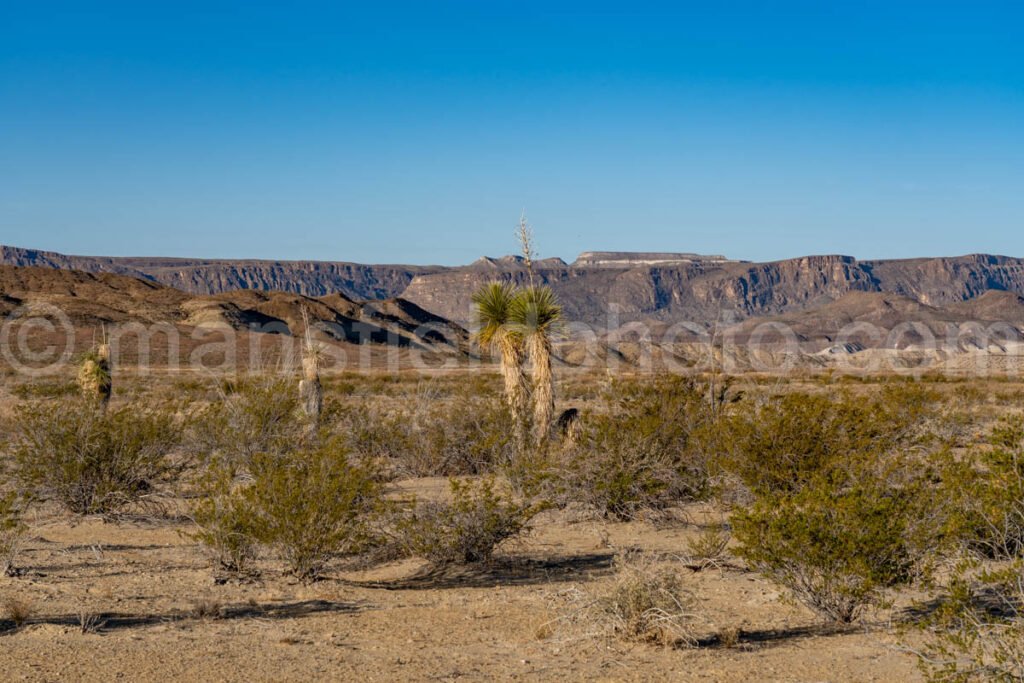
x=148, y=584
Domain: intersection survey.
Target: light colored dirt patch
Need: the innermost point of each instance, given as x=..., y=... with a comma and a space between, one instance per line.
x=149, y=585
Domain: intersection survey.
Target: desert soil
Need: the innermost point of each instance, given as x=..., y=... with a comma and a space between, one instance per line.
x=164, y=617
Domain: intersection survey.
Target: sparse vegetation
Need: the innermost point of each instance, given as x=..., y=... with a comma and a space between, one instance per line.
x=18, y=610
x=90, y=460
x=225, y=521
x=465, y=529
x=311, y=505
x=709, y=548
x=977, y=633
x=843, y=499
x=837, y=543
x=12, y=530
x=647, y=603
x=252, y=417
x=985, y=494
x=646, y=451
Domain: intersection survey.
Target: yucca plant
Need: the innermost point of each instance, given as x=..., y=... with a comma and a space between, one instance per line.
x=94, y=377
x=495, y=331
x=535, y=316
x=311, y=393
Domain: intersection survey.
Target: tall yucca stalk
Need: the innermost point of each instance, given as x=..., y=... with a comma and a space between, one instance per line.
x=535, y=314
x=495, y=331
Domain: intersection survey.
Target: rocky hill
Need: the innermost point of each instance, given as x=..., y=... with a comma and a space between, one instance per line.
x=602, y=289
x=91, y=301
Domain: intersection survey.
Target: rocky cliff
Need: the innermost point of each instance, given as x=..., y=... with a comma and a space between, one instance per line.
x=600, y=288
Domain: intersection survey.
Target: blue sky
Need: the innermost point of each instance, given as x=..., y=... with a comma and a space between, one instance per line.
x=418, y=131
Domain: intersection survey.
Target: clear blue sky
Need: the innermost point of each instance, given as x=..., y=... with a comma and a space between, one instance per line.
x=418, y=131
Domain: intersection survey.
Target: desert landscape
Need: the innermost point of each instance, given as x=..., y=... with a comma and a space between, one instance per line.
x=488, y=341
x=178, y=476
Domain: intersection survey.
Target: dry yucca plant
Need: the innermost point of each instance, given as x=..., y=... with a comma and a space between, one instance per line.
x=94, y=376
x=311, y=392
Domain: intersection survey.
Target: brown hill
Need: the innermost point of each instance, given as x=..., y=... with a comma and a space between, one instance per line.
x=97, y=299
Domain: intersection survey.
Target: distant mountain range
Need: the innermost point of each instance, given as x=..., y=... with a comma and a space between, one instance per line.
x=598, y=288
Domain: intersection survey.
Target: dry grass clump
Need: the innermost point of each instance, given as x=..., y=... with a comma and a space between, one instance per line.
x=709, y=549
x=17, y=610
x=646, y=602
x=90, y=622
x=206, y=609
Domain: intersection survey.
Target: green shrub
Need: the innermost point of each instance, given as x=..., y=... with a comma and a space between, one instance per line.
x=252, y=417
x=782, y=444
x=225, y=521
x=985, y=494
x=311, y=504
x=91, y=460
x=647, y=450
x=465, y=529
x=837, y=543
x=457, y=436
x=977, y=632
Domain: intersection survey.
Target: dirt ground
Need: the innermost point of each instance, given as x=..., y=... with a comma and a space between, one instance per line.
x=162, y=616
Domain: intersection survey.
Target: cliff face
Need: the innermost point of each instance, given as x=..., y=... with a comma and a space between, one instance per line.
x=309, y=278
x=599, y=289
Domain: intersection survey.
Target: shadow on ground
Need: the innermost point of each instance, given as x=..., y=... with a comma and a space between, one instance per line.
x=113, y=621
x=502, y=572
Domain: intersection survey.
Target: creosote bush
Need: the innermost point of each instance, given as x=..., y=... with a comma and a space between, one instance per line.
x=780, y=445
x=985, y=494
x=465, y=529
x=225, y=520
x=452, y=436
x=837, y=543
x=977, y=632
x=311, y=505
x=92, y=460
x=647, y=450
x=252, y=417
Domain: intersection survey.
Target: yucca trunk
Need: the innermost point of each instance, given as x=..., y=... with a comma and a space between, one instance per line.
x=517, y=391
x=311, y=393
x=539, y=348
